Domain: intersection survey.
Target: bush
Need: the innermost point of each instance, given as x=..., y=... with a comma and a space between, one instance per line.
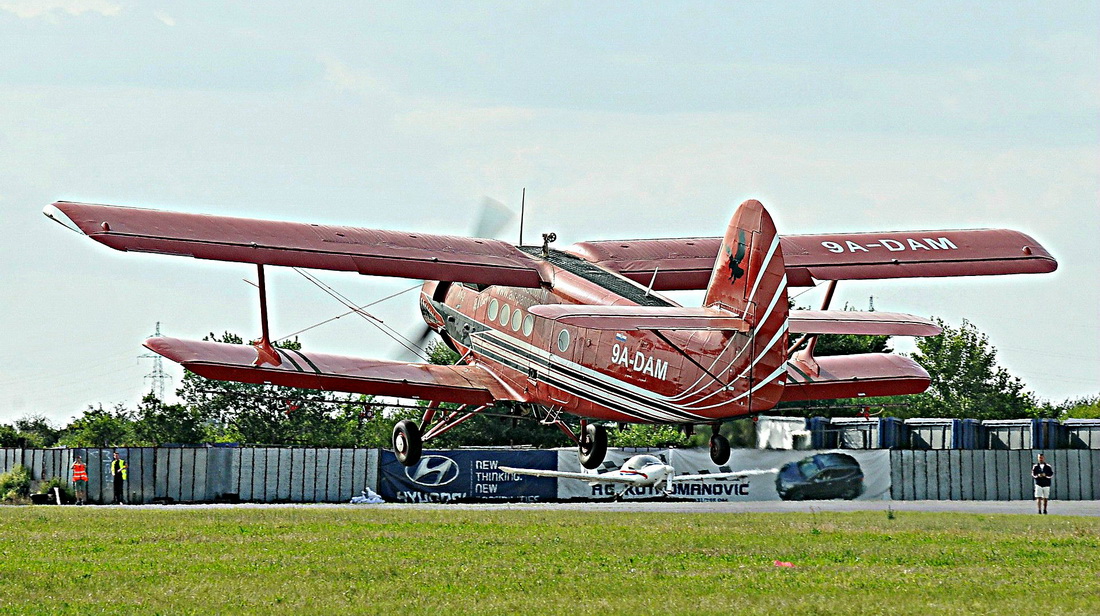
x=645, y=435
x=46, y=487
x=15, y=484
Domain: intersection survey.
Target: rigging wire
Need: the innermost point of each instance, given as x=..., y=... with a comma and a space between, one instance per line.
x=368, y=317
x=807, y=290
x=342, y=315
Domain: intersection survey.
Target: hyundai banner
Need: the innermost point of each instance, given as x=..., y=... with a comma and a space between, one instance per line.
x=467, y=475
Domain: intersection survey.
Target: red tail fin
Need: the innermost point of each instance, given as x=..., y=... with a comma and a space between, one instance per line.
x=749, y=279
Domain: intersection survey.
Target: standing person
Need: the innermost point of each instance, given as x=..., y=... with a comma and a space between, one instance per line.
x=1041, y=473
x=118, y=472
x=80, y=480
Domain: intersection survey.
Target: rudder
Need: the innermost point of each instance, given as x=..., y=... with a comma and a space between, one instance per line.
x=749, y=279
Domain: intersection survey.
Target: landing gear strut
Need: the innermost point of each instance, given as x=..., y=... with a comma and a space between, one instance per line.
x=593, y=445
x=409, y=437
x=719, y=448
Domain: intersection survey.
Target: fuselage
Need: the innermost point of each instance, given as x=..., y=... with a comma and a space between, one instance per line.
x=626, y=376
x=648, y=468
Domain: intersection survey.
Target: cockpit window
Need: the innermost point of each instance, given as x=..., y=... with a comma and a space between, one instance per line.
x=639, y=462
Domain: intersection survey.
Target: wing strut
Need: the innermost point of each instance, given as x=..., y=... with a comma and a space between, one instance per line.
x=265, y=351
x=448, y=421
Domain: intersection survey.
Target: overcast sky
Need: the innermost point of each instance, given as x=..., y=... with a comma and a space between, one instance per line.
x=622, y=120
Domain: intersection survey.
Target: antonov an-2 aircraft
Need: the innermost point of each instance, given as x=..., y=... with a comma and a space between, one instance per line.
x=583, y=331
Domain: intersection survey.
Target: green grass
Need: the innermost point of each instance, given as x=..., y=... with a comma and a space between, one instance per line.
x=443, y=561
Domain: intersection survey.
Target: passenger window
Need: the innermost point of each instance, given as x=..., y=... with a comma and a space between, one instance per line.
x=504, y=310
x=494, y=307
x=563, y=341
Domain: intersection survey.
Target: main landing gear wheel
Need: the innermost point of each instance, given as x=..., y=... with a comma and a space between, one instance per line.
x=593, y=446
x=719, y=449
x=407, y=443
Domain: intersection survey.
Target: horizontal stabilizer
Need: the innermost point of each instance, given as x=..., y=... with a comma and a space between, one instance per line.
x=853, y=376
x=235, y=362
x=860, y=323
x=634, y=318
x=686, y=263
x=244, y=240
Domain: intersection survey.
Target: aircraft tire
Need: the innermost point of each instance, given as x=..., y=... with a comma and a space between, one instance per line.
x=593, y=446
x=407, y=443
x=719, y=449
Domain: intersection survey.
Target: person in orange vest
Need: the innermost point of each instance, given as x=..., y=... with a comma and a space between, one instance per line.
x=118, y=471
x=80, y=480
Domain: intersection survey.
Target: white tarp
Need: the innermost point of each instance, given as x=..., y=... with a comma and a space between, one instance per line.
x=778, y=432
x=874, y=464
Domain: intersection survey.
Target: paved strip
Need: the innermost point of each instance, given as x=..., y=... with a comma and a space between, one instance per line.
x=1020, y=507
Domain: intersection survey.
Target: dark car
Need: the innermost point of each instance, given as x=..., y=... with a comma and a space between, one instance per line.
x=820, y=476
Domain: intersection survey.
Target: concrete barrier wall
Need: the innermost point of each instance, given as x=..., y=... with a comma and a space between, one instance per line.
x=973, y=474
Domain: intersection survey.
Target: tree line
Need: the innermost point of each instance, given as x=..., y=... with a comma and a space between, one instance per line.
x=967, y=382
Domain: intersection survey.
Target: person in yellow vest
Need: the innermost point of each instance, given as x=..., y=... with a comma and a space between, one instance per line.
x=80, y=480
x=118, y=472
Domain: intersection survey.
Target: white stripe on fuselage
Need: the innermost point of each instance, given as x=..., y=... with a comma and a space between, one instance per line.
x=594, y=393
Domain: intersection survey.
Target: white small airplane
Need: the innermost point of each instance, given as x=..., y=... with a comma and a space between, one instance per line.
x=639, y=471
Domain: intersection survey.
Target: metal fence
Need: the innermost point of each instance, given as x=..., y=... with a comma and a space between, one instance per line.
x=975, y=474
x=268, y=475
x=203, y=474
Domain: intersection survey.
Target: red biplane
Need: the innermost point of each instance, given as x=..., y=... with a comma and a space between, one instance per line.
x=584, y=331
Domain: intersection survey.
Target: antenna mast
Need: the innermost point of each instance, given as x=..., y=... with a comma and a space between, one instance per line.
x=522, y=206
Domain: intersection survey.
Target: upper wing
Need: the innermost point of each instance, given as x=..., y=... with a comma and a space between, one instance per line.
x=632, y=318
x=367, y=251
x=609, y=477
x=686, y=263
x=860, y=323
x=236, y=362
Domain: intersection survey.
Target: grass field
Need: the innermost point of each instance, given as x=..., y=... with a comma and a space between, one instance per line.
x=387, y=561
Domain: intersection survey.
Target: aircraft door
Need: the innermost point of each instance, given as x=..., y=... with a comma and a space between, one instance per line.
x=589, y=348
x=566, y=346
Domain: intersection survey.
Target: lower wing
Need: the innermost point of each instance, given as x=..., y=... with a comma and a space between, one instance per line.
x=853, y=376
x=237, y=362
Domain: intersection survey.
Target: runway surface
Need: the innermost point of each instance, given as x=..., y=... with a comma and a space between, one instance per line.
x=1072, y=508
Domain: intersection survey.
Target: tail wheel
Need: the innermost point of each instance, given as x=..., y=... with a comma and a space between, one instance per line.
x=593, y=446
x=719, y=449
x=407, y=443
